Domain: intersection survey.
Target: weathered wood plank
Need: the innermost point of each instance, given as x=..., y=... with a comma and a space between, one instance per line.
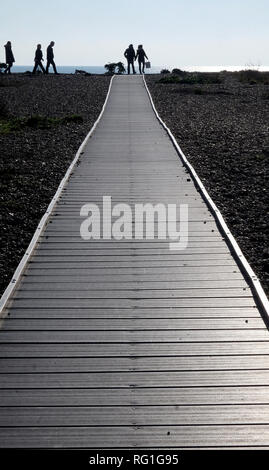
x=181, y=270
x=133, y=294
x=136, y=336
x=133, y=281
x=135, y=396
x=215, y=378
x=133, y=324
x=133, y=364
x=133, y=263
x=94, y=285
x=221, y=349
x=168, y=258
x=146, y=313
x=135, y=416
x=121, y=251
x=233, y=436
x=135, y=303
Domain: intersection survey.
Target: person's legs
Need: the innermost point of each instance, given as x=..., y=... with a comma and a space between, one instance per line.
x=41, y=66
x=133, y=67
x=129, y=63
x=143, y=66
x=35, y=68
x=140, y=66
x=7, y=70
x=48, y=65
x=54, y=66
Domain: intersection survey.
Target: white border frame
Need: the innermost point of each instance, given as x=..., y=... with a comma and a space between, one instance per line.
x=43, y=222
x=241, y=260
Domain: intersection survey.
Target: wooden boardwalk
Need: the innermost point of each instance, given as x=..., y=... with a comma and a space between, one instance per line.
x=109, y=344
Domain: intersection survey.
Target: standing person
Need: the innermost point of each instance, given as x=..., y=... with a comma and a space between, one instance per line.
x=50, y=58
x=38, y=59
x=130, y=56
x=9, y=57
x=140, y=54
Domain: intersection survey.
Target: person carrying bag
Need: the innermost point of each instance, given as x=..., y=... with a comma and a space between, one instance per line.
x=141, y=55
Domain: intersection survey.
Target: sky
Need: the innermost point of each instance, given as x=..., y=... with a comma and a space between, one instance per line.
x=174, y=33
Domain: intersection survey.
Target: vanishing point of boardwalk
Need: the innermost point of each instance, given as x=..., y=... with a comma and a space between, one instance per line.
x=114, y=344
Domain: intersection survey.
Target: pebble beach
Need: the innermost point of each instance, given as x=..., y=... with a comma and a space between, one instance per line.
x=35, y=157
x=223, y=131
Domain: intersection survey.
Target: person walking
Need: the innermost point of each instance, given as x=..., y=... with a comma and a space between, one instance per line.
x=9, y=57
x=130, y=56
x=50, y=58
x=38, y=59
x=141, y=55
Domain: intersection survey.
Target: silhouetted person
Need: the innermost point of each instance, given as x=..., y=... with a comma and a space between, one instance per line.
x=50, y=58
x=130, y=56
x=38, y=59
x=140, y=55
x=9, y=57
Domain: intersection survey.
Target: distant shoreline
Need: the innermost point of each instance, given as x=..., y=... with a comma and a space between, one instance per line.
x=99, y=70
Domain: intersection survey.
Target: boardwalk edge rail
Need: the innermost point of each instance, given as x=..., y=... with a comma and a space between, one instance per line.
x=42, y=224
x=241, y=259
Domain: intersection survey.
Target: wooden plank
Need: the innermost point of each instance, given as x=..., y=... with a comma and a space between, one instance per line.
x=147, y=313
x=233, y=436
x=182, y=270
x=73, y=225
x=136, y=379
x=73, y=208
x=135, y=416
x=135, y=396
x=120, y=251
x=135, y=285
x=136, y=336
x=133, y=364
x=199, y=213
x=134, y=303
x=105, y=293
x=133, y=280
x=132, y=324
x=188, y=196
x=133, y=263
x=184, y=349
x=212, y=239
x=169, y=257
x=77, y=242
x=70, y=242
x=72, y=228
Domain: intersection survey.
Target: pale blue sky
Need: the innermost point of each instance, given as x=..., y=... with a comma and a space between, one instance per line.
x=174, y=32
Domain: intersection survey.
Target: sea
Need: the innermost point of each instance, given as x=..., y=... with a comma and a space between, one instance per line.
x=97, y=69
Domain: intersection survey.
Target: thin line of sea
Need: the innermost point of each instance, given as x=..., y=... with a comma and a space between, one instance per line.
x=97, y=69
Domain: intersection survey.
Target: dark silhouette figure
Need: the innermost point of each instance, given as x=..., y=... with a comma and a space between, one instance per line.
x=140, y=55
x=38, y=59
x=9, y=57
x=50, y=58
x=130, y=56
